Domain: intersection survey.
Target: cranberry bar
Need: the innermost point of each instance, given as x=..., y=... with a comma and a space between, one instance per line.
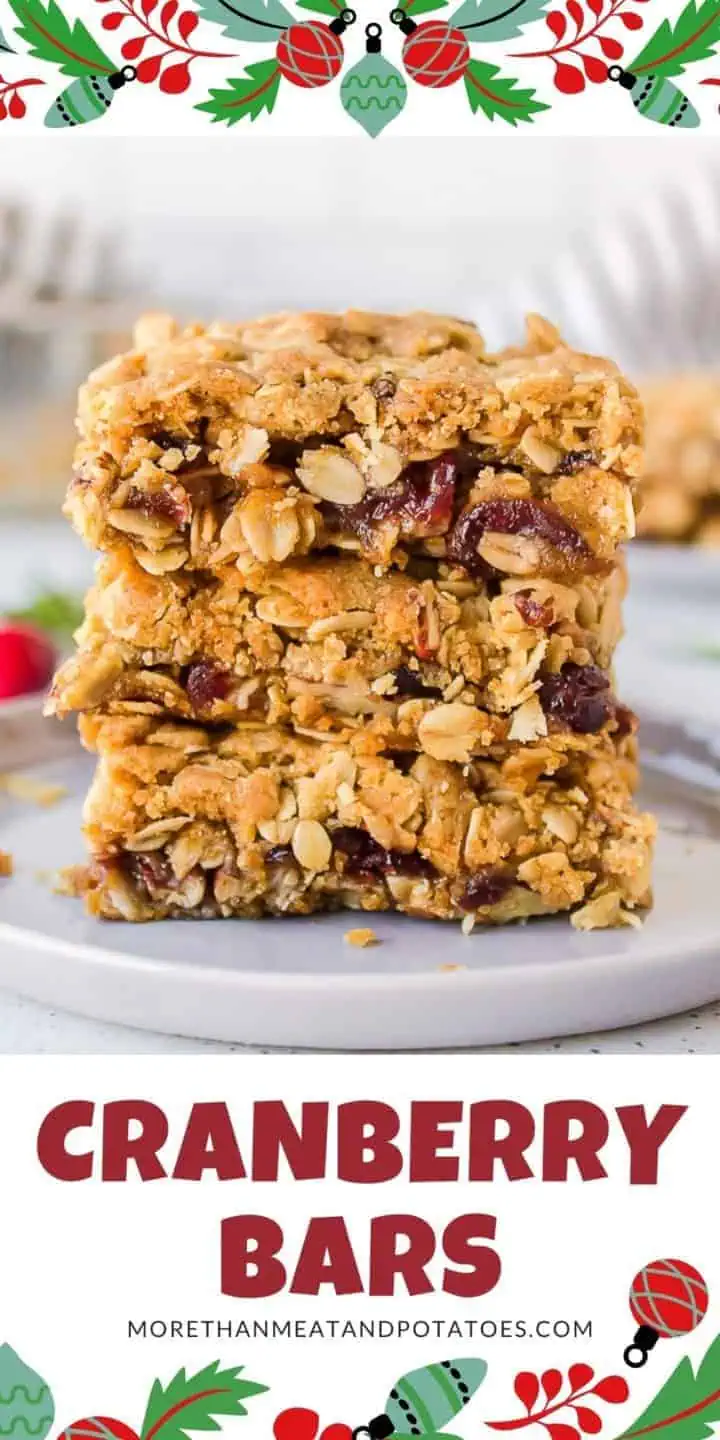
x=681, y=486
x=187, y=821
x=380, y=435
x=443, y=663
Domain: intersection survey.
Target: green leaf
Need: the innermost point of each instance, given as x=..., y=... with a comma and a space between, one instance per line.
x=688, y=1404
x=422, y=7
x=498, y=95
x=320, y=7
x=49, y=36
x=250, y=96
x=192, y=1402
x=708, y=652
x=56, y=610
x=4, y=45
x=692, y=37
x=258, y=20
x=492, y=20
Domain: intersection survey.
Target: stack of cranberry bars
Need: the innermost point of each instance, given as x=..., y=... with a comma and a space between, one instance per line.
x=350, y=639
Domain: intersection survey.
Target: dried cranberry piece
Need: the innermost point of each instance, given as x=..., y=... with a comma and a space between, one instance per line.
x=579, y=697
x=512, y=517
x=158, y=503
x=206, y=682
x=409, y=682
x=421, y=500
x=575, y=460
x=384, y=387
x=485, y=887
x=279, y=855
x=626, y=721
x=366, y=857
x=534, y=612
x=151, y=872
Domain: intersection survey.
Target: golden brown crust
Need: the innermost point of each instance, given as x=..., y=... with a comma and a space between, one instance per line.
x=327, y=645
x=180, y=431
x=258, y=820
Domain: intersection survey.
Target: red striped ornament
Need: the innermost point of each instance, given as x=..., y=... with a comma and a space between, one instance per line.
x=98, y=1427
x=310, y=53
x=667, y=1298
x=435, y=54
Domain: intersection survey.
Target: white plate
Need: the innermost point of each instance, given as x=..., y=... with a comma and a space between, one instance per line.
x=294, y=982
x=677, y=570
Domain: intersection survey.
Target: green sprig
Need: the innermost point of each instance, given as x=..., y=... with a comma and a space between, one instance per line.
x=191, y=1402
x=245, y=98
x=693, y=37
x=49, y=36
x=498, y=96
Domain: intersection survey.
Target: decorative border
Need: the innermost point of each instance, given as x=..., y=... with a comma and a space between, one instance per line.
x=164, y=43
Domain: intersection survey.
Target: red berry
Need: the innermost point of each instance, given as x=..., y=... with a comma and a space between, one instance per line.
x=27, y=660
x=296, y=1424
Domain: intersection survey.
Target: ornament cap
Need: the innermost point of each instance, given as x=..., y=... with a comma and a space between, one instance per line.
x=401, y=18
x=636, y=1354
x=373, y=33
x=622, y=77
x=122, y=77
x=345, y=18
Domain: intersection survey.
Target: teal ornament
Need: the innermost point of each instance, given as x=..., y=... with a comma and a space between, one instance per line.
x=657, y=98
x=373, y=93
x=87, y=99
x=422, y=1402
x=27, y=1408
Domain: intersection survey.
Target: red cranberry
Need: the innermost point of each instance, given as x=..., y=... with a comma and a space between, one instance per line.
x=159, y=504
x=152, y=872
x=575, y=460
x=365, y=857
x=534, y=612
x=579, y=697
x=420, y=501
x=409, y=682
x=535, y=518
x=206, y=682
x=485, y=887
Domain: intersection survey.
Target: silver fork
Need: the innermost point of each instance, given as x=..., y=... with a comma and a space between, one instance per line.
x=644, y=288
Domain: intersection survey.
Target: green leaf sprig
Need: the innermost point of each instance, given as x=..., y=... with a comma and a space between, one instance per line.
x=191, y=1402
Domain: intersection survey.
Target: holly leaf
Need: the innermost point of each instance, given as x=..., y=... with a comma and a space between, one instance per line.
x=49, y=36
x=8, y=50
x=492, y=20
x=694, y=36
x=498, y=95
x=258, y=20
x=321, y=7
x=249, y=96
x=422, y=7
x=192, y=1402
x=688, y=1404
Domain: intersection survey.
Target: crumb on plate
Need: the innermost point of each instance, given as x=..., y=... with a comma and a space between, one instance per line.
x=361, y=938
x=24, y=787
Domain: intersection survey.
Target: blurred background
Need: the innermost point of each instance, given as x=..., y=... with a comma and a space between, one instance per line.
x=617, y=240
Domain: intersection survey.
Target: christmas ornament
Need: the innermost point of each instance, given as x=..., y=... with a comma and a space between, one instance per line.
x=88, y=98
x=50, y=36
x=434, y=53
x=649, y=79
x=98, y=1427
x=373, y=92
x=657, y=99
x=310, y=53
x=423, y=1401
x=667, y=1298
x=26, y=1404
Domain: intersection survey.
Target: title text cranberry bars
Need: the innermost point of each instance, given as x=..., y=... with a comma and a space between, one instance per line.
x=350, y=640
